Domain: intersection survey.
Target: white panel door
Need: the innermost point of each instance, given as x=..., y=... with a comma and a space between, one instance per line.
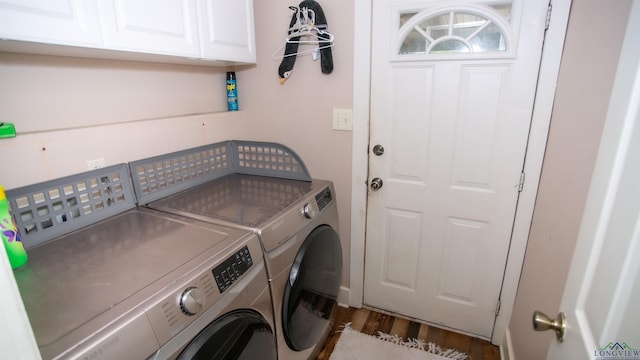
x=602, y=294
x=65, y=22
x=168, y=27
x=452, y=96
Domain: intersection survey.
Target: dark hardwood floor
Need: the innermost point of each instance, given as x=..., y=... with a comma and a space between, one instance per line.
x=370, y=322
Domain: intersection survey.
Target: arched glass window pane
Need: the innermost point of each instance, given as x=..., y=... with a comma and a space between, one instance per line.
x=450, y=46
x=414, y=43
x=489, y=39
x=455, y=31
x=465, y=25
x=436, y=27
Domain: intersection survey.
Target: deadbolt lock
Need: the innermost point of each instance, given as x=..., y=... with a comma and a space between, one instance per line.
x=378, y=150
x=376, y=184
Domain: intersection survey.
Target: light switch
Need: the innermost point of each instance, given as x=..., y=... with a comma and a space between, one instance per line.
x=342, y=119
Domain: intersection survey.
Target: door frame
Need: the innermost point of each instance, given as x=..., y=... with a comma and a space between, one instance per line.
x=545, y=94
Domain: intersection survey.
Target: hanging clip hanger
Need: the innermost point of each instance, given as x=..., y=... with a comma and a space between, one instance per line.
x=308, y=26
x=305, y=31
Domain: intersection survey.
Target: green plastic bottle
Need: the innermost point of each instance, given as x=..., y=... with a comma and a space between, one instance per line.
x=10, y=235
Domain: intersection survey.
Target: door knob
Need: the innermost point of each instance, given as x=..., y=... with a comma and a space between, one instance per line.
x=542, y=322
x=376, y=184
x=378, y=150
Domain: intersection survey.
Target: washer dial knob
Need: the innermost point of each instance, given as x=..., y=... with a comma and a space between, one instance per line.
x=309, y=211
x=192, y=301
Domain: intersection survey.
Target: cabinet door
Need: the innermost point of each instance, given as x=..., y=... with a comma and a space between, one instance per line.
x=227, y=30
x=167, y=27
x=63, y=22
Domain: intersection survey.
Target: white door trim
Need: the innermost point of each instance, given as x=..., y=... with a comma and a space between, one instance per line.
x=550, y=65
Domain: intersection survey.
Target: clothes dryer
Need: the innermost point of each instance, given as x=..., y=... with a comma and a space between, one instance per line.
x=295, y=219
x=135, y=283
x=297, y=223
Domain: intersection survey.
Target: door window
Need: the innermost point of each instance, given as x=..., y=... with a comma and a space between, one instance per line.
x=455, y=30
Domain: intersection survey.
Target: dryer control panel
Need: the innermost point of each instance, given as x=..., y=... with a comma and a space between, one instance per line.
x=324, y=198
x=231, y=269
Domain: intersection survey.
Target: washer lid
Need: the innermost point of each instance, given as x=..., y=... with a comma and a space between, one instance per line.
x=104, y=270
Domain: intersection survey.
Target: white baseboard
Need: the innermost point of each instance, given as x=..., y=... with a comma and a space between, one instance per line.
x=343, y=296
x=506, y=349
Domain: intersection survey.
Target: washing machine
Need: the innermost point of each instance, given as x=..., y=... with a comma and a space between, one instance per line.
x=297, y=223
x=108, y=280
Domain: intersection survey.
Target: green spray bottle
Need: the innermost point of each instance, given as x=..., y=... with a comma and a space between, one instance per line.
x=9, y=234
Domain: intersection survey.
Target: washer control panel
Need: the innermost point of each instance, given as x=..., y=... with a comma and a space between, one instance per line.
x=324, y=198
x=231, y=269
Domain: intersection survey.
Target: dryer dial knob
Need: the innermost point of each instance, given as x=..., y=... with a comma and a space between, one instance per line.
x=192, y=301
x=309, y=211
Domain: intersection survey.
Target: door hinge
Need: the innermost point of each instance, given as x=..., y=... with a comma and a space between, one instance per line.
x=548, y=21
x=498, y=307
x=521, y=183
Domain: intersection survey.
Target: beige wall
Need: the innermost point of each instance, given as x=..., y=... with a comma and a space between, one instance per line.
x=592, y=46
x=47, y=92
x=299, y=112
x=70, y=110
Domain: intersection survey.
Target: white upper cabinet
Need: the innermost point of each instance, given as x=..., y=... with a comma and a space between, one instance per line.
x=175, y=31
x=227, y=27
x=166, y=27
x=63, y=22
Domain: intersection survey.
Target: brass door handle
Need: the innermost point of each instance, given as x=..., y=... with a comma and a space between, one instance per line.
x=542, y=322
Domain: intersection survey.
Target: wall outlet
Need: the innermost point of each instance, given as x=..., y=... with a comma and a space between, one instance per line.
x=342, y=119
x=95, y=164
